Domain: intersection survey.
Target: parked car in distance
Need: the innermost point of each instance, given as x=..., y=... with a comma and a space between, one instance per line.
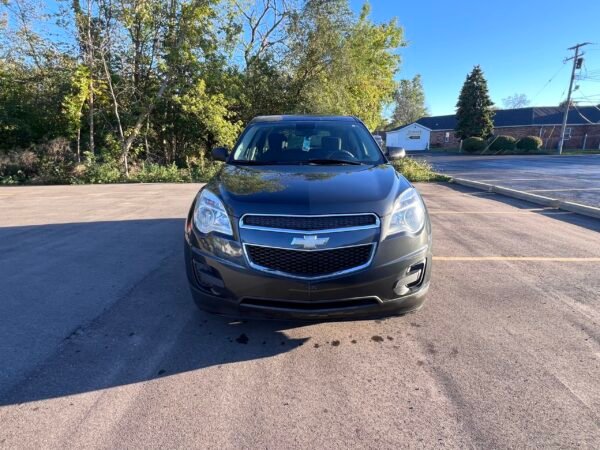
x=379, y=140
x=307, y=219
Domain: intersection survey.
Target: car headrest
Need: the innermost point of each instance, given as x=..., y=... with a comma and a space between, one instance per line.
x=275, y=142
x=331, y=143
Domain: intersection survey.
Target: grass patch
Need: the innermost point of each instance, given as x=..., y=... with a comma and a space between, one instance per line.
x=417, y=171
x=579, y=152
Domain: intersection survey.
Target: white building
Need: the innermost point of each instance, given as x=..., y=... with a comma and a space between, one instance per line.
x=411, y=137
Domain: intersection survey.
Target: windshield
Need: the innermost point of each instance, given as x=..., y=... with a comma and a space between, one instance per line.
x=306, y=142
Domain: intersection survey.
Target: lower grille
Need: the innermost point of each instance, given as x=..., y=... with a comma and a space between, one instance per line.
x=309, y=306
x=310, y=264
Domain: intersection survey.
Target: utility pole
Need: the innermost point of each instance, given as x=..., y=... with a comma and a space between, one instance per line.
x=566, y=113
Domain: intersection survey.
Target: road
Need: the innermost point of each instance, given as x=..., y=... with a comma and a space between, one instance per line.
x=573, y=178
x=101, y=346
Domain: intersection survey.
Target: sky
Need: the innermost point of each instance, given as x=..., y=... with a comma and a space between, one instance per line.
x=520, y=46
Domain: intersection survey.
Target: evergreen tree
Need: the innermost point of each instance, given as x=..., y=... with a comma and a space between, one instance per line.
x=474, y=113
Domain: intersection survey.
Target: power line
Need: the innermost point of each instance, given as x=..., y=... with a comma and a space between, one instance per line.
x=590, y=99
x=581, y=94
x=548, y=82
x=582, y=116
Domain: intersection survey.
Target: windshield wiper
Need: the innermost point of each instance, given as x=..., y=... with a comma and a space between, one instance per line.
x=334, y=161
x=294, y=163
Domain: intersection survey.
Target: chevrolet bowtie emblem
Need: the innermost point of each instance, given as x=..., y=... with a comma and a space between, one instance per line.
x=310, y=242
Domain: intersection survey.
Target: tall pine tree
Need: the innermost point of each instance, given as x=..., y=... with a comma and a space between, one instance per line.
x=474, y=112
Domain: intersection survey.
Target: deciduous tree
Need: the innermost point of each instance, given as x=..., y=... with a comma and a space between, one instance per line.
x=515, y=101
x=409, y=101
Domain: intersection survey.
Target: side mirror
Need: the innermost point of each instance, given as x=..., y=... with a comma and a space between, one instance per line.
x=396, y=153
x=220, y=153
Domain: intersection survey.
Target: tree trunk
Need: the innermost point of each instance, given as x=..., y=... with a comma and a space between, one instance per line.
x=91, y=116
x=79, y=144
x=146, y=145
x=90, y=58
x=140, y=122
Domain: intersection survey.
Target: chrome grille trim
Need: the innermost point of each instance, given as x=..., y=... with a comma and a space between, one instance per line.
x=299, y=277
x=377, y=223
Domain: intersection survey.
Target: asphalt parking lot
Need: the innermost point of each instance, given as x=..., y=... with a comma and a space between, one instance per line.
x=573, y=178
x=101, y=345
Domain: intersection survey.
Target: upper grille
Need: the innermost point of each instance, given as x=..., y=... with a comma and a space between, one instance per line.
x=310, y=223
x=309, y=264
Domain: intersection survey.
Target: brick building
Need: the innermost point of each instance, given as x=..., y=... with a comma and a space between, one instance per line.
x=583, y=128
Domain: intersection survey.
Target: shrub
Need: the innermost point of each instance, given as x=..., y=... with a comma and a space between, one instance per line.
x=93, y=171
x=155, y=173
x=56, y=162
x=473, y=144
x=529, y=143
x=503, y=143
x=203, y=173
x=18, y=166
x=415, y=170
x=49, y=162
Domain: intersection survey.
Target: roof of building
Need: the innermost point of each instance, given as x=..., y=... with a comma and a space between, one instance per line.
x=522, y=117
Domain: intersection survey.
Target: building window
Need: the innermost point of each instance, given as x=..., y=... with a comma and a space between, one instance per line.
x=447, y=136
x=568, y=133
x=414, y=134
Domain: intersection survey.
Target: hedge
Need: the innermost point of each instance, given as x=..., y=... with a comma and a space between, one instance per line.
x=503, y=143
x=473, y=144
x=529, y=143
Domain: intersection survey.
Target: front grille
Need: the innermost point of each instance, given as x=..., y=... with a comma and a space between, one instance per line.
x=309, y=263
x=310, y=223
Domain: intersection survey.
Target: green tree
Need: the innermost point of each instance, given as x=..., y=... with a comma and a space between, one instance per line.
x=161, y=81
x=74, y=102
x=206, y=118
x=474, y=113
x=342, y=64
x=409, y=101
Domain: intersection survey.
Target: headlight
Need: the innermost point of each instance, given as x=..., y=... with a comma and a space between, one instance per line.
x=409, y=213
x=210, y=214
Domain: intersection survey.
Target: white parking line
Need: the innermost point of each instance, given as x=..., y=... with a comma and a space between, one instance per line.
x=518, y=179
x=515, y=258
x=563, y=190
x=527, y=211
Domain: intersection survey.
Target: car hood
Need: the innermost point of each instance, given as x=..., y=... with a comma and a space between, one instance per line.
x=308, y=189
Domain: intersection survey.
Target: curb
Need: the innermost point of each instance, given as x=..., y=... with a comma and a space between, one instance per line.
x=578, y=208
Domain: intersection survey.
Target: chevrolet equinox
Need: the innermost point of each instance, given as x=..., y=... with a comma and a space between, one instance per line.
x=308, y=220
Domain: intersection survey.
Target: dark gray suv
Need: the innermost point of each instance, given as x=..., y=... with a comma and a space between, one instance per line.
x=307, y=220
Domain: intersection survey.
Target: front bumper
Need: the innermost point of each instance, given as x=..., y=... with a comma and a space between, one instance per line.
x=231, y=288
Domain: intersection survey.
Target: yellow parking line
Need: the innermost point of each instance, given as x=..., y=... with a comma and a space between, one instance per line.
x=515, y=258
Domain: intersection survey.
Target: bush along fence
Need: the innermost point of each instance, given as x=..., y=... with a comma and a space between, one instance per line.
x=502, y=144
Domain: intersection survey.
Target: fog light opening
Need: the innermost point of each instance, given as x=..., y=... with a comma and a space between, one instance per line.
x=209, y=279
x=412, y=279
